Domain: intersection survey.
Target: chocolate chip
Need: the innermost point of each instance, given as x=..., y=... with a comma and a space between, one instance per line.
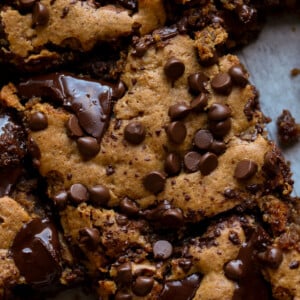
x=88, y=146
x=218, y=112
x=234, y=269
x=60, y=199
x=217, y=147
x=37, y=121
x=246, y=14
x=238, y=75
x=172, y=164
x=229, y=193
x=174, y=68
x=124, y=273
x=178, y=111
x=271, y=162
x=199, y=103
x=222, y=83
x=272, y=257
x=99, y=195
x=221, y=128
x=162, y=249
x=134, y=132
x=172, y=218
x=40, y=14
x=24, y=4
x=140, y=49
x=129, y=207
x=197, y=83
x=185, y=264
x=119, y=90
x=121, y=295
x=208, y=163
x=35, y=251
x=191, y=161
x=245, y=169
x=154, y=182
x=89, y=237
x=78, y=193
x=203, y=139
x=142, y=286
x=294, y=264
x=176, y=132
x=74, y=129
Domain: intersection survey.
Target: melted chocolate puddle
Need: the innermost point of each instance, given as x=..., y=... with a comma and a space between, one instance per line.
x=35, y=251
x=246, y=272
x=90, y=100
x=184, y=289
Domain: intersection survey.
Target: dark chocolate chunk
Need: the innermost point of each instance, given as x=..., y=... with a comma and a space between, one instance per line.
x=142, y=286
x=184, y=289
x=134, y=132
x=272, y=257
x=40, y=14
x=197, y=83
x=218, y=112
x=220, y=128
x=208, y=163
x=271, y=162
x=251, y=284
x=74, y=129
x=191, y=161
x=36, y=252
x=199, y=103
x=238, y=75
x=99, y=195
x=154, y=182
x=245, y=169
x=176, y=132
x=124, y=273
x=222, y=83
x=89, y=237
x=172, y=164
x=37, y=121
x=90, y=100
x=60, y=199
x=88, y=146
x=178, y=111
x=162, y=249
x=129, y=207
x=78, y=193
x=174, y=68
x=203, y=139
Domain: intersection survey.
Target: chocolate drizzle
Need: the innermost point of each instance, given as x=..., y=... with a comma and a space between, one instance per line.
x=250, y=282
x=35, y=251
x=90, y=100
x=184, y=289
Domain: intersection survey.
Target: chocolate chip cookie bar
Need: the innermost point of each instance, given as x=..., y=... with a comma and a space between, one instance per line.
x=134, y=166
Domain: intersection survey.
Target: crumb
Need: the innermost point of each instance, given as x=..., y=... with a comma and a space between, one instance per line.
x=287, y=128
